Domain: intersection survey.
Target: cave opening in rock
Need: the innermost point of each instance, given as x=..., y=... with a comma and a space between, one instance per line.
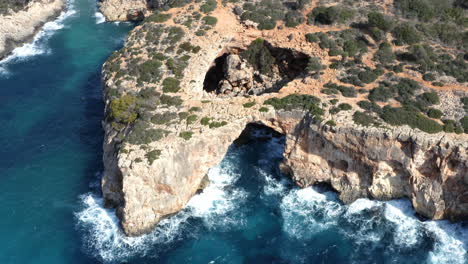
x=215, y=74
x=254, y=132
x=261, y=68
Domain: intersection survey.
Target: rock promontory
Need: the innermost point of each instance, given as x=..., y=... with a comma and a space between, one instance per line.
x=366, y=109
x=22, y=21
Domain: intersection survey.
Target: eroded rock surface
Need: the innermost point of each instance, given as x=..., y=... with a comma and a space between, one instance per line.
x=20, y=27
x=165, y=129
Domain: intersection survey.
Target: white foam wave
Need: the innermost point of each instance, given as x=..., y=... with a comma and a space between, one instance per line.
x=99, y=18
x=408, y=228
x=218, y=198
x=39, y=44
x=105, y=239
x=450, y=245
x=272, y=186
x=360, y=205
x=307, y=212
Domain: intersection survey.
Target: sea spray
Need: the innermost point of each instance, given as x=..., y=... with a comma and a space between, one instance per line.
x=251, y=200
x=99, y=18
x=39, y=44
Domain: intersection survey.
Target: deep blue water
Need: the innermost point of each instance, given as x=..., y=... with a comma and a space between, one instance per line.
x=50, y=162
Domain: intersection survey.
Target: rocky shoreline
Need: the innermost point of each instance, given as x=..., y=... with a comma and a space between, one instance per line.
x=21, y=27
x=186, y=86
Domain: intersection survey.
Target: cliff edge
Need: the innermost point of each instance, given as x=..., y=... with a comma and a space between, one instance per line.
x=358, y=109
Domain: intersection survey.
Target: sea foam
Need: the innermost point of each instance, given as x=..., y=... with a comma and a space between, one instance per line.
x=39, y=44
x=99, y=18
x=104, y=239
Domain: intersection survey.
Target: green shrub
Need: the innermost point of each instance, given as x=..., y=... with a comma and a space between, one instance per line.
x=404, y=116
x=148, y=71
x=333, y=101
x=293, y=18
x=365, y=119
x=153, y=155
x=378, y=20
x=123, y=110
x=259, y=56
x=406, y=34
x=434, y=113
x=449, y=126
x=171, y=85
x=210, y=20
x=330, y=15
x=406, y=89
x=170, y=100
x=215, y=124
x=347, y=91
x=297, y=101
x=334, y=110
x=263, y=109
x=380, y=94
x=249, y=104
x=205, y=121
x=266, y=13
x=191, y=119
x=208, y=7
x=142, y=134
x=313, y=38
x=183, y=115
x=464, y=101
x=367, y=76
x=430, y=98
x=351, y=47
x=195, y=109
x=464, y=124
x=330, y=123
x=428, y=77
x=314, y=65
x=345, y=107
x=186, y=135
x=158, y=17
x=421, y=9
x=164, y=118
x=370, y=106
x=385, y=54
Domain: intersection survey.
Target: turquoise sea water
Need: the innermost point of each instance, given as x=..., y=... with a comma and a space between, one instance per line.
x=50, y=162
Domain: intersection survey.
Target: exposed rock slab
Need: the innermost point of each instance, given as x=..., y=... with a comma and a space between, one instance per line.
x=20, y=27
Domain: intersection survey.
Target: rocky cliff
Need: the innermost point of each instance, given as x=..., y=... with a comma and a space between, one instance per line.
x=186, y=85
x=129, y=10
x=21, y=26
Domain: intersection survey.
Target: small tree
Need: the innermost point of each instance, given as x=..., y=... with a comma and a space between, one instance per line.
x=314, y=65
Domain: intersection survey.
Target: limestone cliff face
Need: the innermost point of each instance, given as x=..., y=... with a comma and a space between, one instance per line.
x=123, y=10
x=178, y=95
x=129, y=10
x=18, y=28
x=430, y=170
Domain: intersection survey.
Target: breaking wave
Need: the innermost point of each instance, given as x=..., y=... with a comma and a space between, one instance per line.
x=99, y=18
x=372, y=229
x=39, y=44
x=104, y=239
x=368, y=224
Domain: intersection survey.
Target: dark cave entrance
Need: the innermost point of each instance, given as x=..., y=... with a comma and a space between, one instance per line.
x=255, y=71
x=215, y=74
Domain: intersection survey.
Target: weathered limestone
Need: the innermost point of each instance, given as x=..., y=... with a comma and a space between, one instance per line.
x=382, y=163
x=20, y=27
x=430, y=170
x=129, y=10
